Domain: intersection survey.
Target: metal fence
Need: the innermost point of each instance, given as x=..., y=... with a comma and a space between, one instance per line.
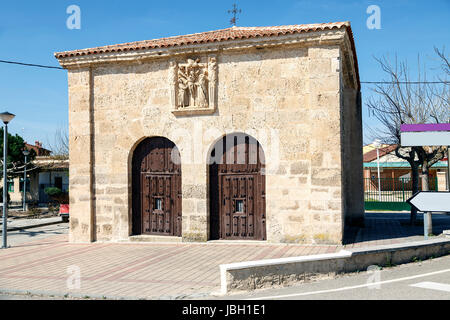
x=394, y=193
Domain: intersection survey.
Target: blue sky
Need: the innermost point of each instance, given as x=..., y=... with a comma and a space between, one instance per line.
x=31, y=31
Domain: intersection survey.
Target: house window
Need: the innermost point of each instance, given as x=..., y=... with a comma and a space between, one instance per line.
x=21, y=185
x=10, y=186
x=158, y=204
x=239, y=205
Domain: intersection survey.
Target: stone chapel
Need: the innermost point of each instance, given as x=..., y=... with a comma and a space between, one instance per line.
x=239, y=134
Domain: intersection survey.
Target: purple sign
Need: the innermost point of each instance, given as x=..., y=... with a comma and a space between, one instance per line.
x=425, y=127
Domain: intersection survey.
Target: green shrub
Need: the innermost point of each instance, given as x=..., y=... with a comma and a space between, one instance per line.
x=57, y=195
x=52, y=191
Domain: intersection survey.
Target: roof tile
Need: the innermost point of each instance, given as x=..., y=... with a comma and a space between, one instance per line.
x=206, y=37
x=216, y=36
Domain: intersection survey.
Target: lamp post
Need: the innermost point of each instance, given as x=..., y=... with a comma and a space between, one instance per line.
x=377, y=144
x=6, y=117
x=25, y=153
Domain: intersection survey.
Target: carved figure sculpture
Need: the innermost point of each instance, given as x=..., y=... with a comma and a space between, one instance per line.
x=193, y=83
x=202, y=90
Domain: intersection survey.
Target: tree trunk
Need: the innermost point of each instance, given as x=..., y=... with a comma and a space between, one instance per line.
x=415, y=189
x=425, y=177
x=426, y=187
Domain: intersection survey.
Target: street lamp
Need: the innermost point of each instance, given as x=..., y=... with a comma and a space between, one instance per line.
x=6, y=117
x=25, y=153
x=377, y=144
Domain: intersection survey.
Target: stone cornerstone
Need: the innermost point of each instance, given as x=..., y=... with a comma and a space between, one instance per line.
x=295, y=89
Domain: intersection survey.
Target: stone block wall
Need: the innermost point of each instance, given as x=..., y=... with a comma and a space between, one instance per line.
x=80, y=146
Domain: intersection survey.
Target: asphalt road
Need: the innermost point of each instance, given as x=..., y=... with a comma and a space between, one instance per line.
x=427, y=280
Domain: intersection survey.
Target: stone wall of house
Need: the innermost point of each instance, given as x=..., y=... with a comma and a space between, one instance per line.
x=287, y=97
x=80, y=147
x=352, y=157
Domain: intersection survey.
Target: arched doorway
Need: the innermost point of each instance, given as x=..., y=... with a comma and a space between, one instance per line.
x=237, y=189
x=156, y=188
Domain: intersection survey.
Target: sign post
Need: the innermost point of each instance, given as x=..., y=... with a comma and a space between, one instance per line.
x=434, y=134
x=425, y=224
x=430, y=201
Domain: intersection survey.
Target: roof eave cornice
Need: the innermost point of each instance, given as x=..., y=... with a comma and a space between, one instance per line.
x=322, y=37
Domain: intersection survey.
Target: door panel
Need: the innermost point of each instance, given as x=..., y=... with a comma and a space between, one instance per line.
x=241, y=191
x=156, y=188
x=238, y=207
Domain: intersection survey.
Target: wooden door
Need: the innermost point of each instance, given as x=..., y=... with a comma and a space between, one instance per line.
x=157, y=188
x=241, y=191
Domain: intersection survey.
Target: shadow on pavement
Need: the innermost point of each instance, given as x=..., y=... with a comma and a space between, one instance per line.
x=391, y=226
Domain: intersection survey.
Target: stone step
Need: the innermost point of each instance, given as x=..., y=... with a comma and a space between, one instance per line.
x=149, y=238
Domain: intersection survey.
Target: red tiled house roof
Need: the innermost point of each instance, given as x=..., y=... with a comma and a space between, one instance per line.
x=222, y=35
x=372, y=155
x=37, y=147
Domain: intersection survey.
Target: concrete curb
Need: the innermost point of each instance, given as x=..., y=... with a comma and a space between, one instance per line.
x=54, y=294
x=252, y=275
x=32, y=226
x=86, y=296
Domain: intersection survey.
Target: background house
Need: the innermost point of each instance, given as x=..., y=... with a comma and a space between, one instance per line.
x=52, y=172
x=37, y=147
x=45, y=171
x=395, y=179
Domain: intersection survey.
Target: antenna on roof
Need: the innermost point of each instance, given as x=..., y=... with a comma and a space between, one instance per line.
x=235, y=12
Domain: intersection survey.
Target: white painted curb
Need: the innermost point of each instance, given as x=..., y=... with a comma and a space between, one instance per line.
x=402, y=251
x=271, y=262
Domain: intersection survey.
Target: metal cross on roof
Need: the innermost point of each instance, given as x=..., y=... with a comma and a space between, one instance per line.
x=235, y=12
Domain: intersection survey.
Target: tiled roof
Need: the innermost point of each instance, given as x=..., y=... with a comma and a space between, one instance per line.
x=372, y=155
x=233, y=33
x=49, y=163
x=40, y=151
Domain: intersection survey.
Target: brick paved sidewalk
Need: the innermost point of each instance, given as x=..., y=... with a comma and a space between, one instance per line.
x=156, y=270
x=135, y=270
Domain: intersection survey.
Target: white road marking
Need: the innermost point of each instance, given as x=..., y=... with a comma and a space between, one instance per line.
x=350, y=288
x=433, y=286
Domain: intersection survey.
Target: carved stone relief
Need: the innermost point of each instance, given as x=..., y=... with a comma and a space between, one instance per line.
x=193, y=86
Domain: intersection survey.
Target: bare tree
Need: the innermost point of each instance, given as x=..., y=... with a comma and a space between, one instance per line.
x=445, y=66
x=403, y=101
x=445, y=94
x=59, y=144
